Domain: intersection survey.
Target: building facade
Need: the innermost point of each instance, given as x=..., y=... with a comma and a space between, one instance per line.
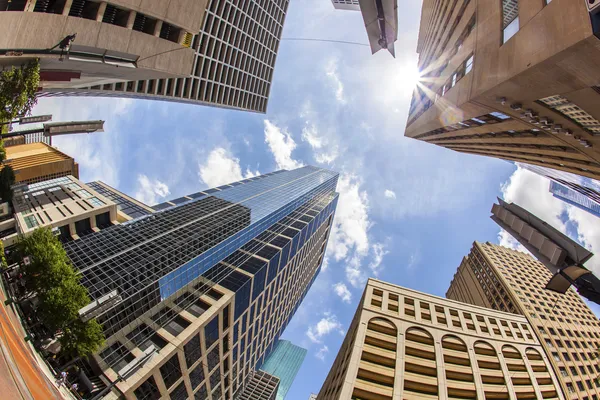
x=579, y=191
x=233, y=54
x=578, y=196
x=116, y=40
x=206, y=287
x=404, y=344
x=262, y=386
x=38, y=162
x=64, y=204
x=284, y=363
x=512, y=79
x=128, y=207
x=507, y=280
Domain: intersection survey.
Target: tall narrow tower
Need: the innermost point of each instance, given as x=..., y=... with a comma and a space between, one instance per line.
x=508, y=280
x=195, y=296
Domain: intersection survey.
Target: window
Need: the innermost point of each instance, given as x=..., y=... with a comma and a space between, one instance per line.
x=30, y=221
x=171, y=371
x=469, y=66
x=94, y=201
x=510, y=19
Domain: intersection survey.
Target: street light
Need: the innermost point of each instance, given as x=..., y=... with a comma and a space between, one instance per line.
x=62, y=128
x=29, y=120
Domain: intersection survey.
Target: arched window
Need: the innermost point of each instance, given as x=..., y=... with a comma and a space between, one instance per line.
x=457, y=367
x=420, y=368
x=490, y=370
x=378, y=360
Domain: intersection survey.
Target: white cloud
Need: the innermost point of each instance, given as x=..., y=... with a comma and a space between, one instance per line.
x=325, y=153
x=331, y=70
x=354, y=272
x=281, y=145
x=351, y=221
x=379, y=252
x=322, y=352
x=150, y=191
x=530, y=191
x=221, y=168
x=342, y=290
x=389, y=194
x=329, y=323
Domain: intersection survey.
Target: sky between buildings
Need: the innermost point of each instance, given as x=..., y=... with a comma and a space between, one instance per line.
x=408, y=211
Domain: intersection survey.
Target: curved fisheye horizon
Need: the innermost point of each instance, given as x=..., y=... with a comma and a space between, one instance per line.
x=299, y=200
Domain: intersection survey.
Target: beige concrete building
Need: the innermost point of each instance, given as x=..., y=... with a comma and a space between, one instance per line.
x=117, y=40
x=512, y=79
x=262, y=386
x=404, y=344
x=65, y=204
x=508, y=280
x=37, y=162
x=209, y=52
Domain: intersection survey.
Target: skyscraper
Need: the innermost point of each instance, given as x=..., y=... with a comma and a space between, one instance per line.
x=508, y=280
x=508, y=79
x=578, y=191
x=577, y=196
x=284, y=362
x=197, y=294
x=213, y=52
x=261, y=386
x=404, y=344
x=129, y=208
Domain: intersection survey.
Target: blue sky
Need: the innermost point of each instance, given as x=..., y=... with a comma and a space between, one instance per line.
x=408, y=211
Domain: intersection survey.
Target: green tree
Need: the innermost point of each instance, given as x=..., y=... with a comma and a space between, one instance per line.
x=82, y=339
x=7, y=179
x=2, y=151
x=60, y=293
x=18, y=88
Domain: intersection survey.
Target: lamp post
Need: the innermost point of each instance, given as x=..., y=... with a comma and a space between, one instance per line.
x=62, y=128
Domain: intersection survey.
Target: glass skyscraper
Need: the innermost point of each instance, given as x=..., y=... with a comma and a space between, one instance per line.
x=579, y=191
x=207, y=286
x=284, y=362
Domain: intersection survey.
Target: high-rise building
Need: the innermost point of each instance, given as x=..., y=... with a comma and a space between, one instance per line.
x=508, y=280
x=37, y=162
x=578, y=196
x=576, y=190
x=261, y=386
x=284, y=362
x=505, y=79
x=116, y=40
x=194, y=297
x=230, y=62
x=404, y=344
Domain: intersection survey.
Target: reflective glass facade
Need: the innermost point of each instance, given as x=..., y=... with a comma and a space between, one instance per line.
x=245, y=237
x=284, y=362
x=575, y=198
x=124, y=203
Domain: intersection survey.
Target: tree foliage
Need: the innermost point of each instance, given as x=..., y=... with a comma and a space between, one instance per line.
x=7, y=179
x=61, y=295
x=18, y=88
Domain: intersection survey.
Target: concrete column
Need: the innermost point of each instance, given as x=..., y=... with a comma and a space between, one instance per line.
x=131, y=19
x=384, y=301
x=400, y=359
x=534, y=383
x=507, y=376
x=441, y=369
x=30, y=5
x=157, y=28
x=101, y=10
x=68, y=4
x=475, y=369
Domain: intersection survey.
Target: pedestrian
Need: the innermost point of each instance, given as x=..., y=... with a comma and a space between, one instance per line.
x=74, y=387
x=61, y=379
